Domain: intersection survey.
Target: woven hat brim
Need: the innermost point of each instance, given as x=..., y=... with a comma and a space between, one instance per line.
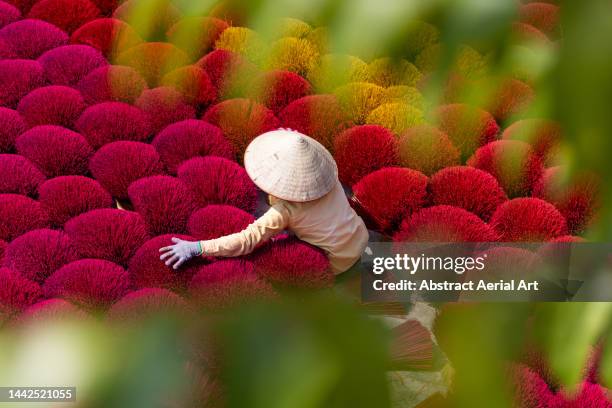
x=290, y=166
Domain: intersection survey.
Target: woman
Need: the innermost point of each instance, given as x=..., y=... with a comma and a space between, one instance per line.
x=306, y=197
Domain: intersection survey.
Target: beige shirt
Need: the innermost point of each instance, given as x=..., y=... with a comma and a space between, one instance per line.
x=328, y=223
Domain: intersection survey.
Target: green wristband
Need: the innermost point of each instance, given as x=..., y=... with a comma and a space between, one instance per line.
x=201, y=250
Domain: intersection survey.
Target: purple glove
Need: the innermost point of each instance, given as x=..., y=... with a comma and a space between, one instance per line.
x=180, y=252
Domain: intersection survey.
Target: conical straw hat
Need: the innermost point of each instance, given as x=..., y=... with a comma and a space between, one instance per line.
x=290, y=165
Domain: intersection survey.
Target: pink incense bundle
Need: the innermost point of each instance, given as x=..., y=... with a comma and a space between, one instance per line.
x=411, y=347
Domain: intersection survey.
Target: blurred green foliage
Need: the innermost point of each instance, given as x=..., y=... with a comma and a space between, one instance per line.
x=317, y=351
x=320, y=353
x=582, y=91
x=567, y=331
x=480, y=340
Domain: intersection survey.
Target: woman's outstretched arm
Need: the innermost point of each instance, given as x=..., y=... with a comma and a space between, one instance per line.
x=244, y=242
x=275, y=220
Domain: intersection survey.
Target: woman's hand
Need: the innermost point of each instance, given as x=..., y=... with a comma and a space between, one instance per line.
x=180, y=252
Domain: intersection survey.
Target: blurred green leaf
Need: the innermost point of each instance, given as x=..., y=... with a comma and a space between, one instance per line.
x=567, y=331
x=480, y=340
x=368, y=29
x=605, y=368
x=194, y=8
x=583, y=85
x=313, y=353
x=483, y=24
x=150, y=367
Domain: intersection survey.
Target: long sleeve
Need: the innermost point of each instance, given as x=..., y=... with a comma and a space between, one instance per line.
x=241, y=243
